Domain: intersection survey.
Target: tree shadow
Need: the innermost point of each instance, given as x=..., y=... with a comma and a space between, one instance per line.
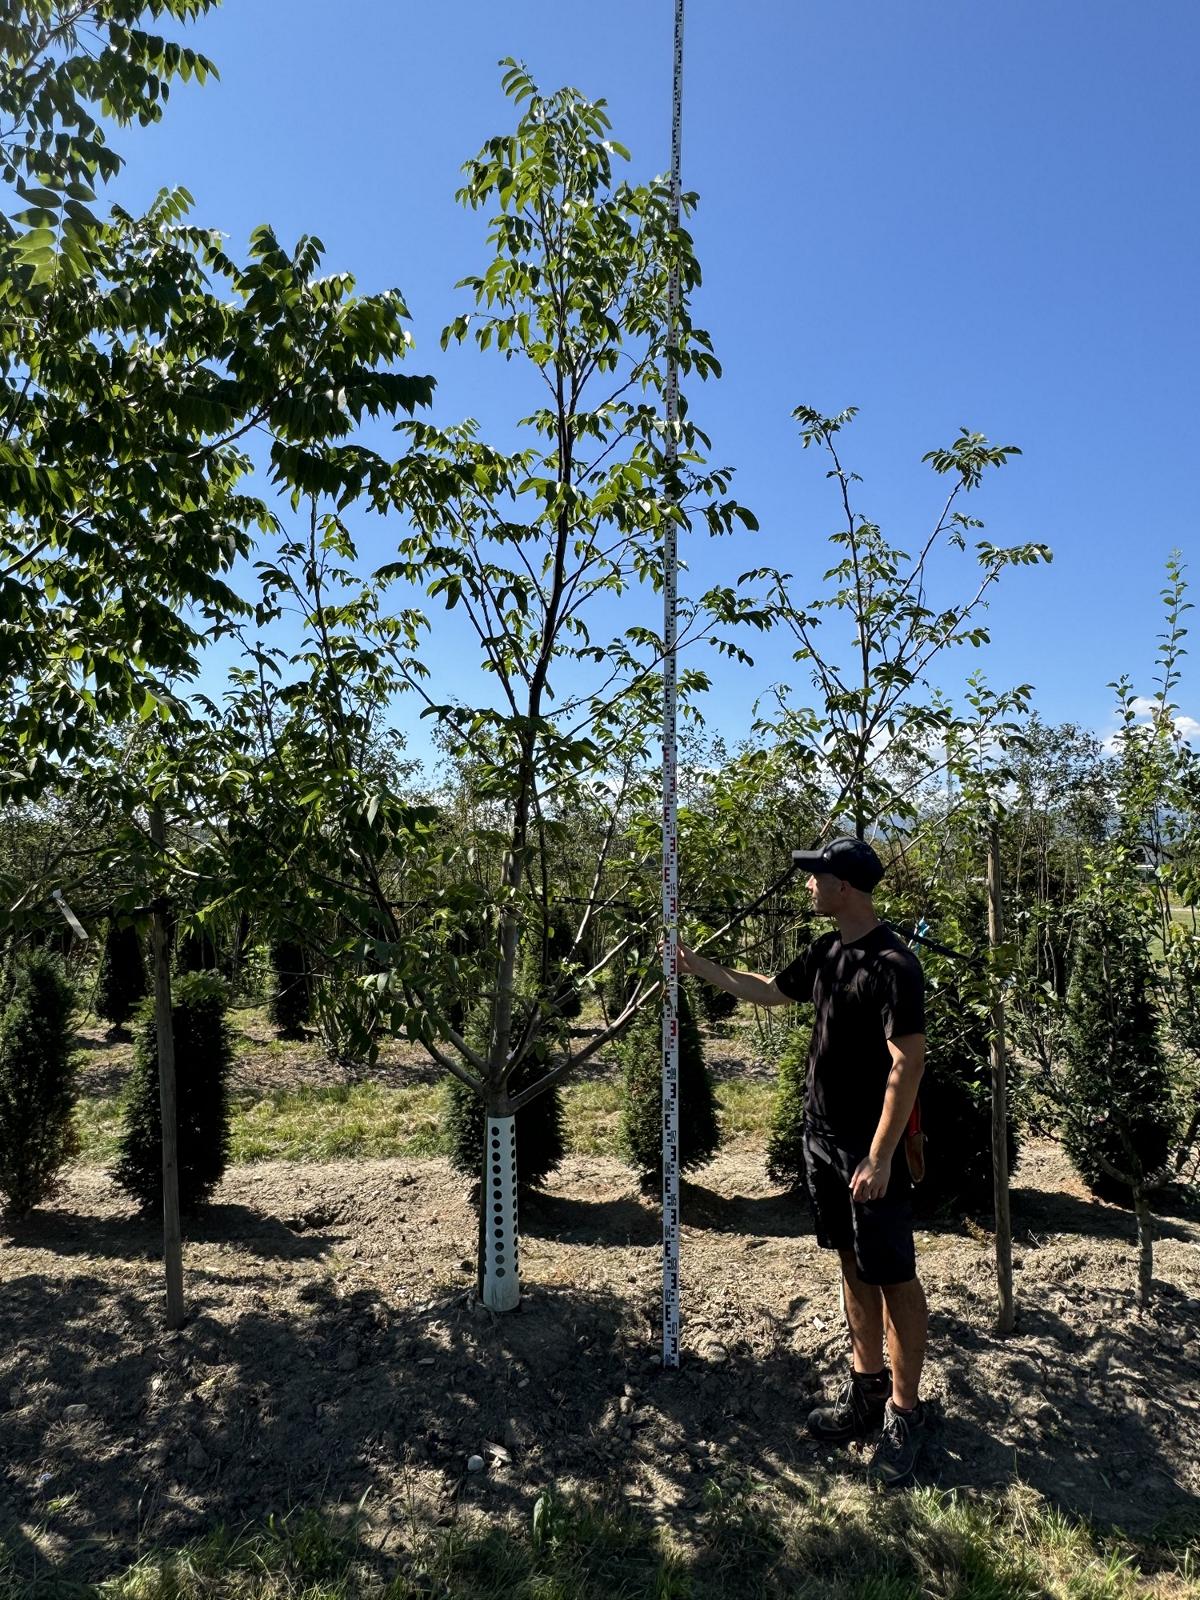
x=292, y=1388
x=635, y=1219
x=340, y=1396
x=101, y=1040
x=138, y=1235
x=250, y=1410
x=1046, y=1211
x=783, y=1214
x=627, y=1219
x=1047, y=1416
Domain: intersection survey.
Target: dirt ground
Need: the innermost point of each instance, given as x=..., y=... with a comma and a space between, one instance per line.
x=333, y=1353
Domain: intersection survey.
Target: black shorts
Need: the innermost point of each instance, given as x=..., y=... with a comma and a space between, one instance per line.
x=880, y=1232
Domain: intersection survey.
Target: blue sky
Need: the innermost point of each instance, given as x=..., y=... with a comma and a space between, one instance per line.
x=943, y=214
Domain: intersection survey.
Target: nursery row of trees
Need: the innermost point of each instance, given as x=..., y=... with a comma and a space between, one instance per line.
x=1101, y=977
x=466, y=908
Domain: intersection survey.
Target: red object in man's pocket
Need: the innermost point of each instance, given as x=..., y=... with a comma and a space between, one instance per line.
x=914, y=1144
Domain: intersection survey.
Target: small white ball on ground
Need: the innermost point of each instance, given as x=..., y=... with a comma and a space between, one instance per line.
x=474, y=1463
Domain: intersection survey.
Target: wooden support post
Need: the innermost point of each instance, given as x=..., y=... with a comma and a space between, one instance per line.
x=1004, y=1271
x=172, y=1236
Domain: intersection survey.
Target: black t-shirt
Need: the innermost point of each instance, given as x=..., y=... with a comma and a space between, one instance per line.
x=865, y=993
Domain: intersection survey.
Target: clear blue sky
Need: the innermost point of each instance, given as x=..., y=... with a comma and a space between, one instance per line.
x=943, y=214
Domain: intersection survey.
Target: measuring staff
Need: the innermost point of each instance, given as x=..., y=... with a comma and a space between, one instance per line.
x=670, y=837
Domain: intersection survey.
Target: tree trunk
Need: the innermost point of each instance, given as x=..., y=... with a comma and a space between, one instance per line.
x=1145, y=1232
x=1004, y=1269
x=172, y=1237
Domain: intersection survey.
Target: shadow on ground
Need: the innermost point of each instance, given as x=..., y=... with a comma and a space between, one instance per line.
x=296, y=1383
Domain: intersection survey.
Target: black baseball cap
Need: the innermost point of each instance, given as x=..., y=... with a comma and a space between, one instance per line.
x=850, y=859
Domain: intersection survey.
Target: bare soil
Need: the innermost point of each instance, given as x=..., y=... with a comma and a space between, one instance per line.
x=333, y=1351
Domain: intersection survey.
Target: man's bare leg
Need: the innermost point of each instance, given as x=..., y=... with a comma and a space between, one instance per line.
x=859, y=1409
x=864, y=1314
x=907, y=1331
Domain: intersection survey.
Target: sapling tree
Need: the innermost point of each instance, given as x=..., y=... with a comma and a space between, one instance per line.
x=881, y=726
x=1117, y=1115
x=1121, y=1105
x=540, y=552
x=1157, y=791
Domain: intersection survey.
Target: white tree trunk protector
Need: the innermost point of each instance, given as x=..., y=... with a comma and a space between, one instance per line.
x=501, y=1282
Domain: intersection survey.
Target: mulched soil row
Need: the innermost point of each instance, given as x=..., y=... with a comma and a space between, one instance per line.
x=334, y=1352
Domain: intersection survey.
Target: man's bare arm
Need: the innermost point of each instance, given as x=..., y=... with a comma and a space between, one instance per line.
x=871, y=1176
x=751, y=986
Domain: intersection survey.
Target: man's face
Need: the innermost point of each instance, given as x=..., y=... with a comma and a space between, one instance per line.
x=826, y=892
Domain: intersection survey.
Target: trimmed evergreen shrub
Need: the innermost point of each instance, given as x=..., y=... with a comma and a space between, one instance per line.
x=1117, y=1105
x=640, y=1057
x=540, y=1139
x=203, y=1053
x=561, y=984
x=956, y=1093
x=122, y=982
x=716, y=1005
x=785, y=1142
x=290, y=1003
x=196, y=951
x=37, y=1082
x=616, y=980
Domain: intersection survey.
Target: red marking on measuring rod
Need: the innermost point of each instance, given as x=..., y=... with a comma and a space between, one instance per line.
x=670, y=1033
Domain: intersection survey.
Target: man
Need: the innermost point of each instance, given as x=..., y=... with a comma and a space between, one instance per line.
x=865, y=1065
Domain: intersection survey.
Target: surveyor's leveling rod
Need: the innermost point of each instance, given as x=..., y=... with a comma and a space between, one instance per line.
x=670, y=1035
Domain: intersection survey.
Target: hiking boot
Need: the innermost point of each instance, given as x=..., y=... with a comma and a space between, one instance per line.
x=900, y=1445
x=857, y=1411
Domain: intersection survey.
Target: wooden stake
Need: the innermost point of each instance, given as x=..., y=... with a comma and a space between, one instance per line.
x=1004, y=1272
x=172, y=1237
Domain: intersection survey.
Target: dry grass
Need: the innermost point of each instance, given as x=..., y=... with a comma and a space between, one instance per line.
x=831, y=1543
x=369, y=1120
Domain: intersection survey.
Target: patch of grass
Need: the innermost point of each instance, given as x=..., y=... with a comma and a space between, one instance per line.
x=593, y=1113
x=339, y=1122
x=746, y=1108
x=313, y=1123
x=98, y=1123
x=930, y=1542
x=836, y=1542
x=592, y=1116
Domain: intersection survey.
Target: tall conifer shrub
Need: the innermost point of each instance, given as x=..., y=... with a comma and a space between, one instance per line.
x=1117, y=1107
x=203, y=1053
x=290, y=1003
x=640, y=1057
x=785, y=1142
x=122, y=980
x=37, y=1082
